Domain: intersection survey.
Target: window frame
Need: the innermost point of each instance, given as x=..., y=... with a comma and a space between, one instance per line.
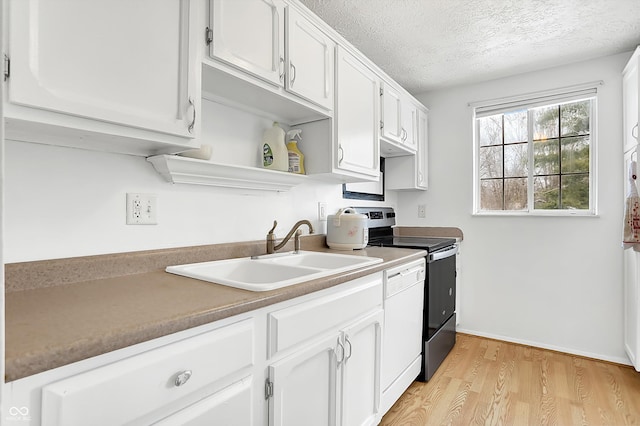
x=529, y=101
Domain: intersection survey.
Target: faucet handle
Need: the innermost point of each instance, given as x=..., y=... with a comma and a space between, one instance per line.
x=275, y=223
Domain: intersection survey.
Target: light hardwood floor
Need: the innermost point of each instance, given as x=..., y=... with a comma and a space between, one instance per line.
x=489, y=382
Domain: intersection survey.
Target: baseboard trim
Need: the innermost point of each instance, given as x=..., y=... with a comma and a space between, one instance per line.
x=600, y=357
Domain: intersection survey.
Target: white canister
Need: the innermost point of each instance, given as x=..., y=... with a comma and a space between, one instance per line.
x=347, y=230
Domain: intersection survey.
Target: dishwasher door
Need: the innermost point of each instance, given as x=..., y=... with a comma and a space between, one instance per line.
x=403, y=316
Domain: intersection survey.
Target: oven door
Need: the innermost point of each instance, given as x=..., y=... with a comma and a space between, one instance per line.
x=441, y=284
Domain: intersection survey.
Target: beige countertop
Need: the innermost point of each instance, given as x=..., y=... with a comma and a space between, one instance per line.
x=50, y=325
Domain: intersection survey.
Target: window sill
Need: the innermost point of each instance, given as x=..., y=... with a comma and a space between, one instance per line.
x=562, y=213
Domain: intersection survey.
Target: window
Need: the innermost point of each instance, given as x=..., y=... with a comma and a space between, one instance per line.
x=536, y=155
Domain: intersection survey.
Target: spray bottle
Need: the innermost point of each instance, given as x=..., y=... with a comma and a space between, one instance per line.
x=296, y=158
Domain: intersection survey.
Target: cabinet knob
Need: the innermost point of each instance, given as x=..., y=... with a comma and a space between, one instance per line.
x=183, y=378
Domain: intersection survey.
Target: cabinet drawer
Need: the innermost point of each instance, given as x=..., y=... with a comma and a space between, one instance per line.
x=291, y=326
x=126, y=390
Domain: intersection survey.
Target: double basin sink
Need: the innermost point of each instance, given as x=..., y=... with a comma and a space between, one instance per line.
x=270, y=272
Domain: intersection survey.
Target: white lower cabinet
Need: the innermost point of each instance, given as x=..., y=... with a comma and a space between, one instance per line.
x=332, y=378
x=360, y=371
x=138, y=387
x=313, y=360
x=230, y=407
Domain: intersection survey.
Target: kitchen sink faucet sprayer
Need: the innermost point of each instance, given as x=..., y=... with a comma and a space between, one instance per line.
x=271, y=237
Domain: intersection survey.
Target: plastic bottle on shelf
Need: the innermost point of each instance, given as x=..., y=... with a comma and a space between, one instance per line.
x=274, y=152
x=296, y=158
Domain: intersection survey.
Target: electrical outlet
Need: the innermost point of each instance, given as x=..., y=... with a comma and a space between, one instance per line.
x=322, y=211
x=422, y=211
x=141, y=209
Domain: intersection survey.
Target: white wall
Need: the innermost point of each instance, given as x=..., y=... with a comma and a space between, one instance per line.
x=553, y=282
x=63, y=202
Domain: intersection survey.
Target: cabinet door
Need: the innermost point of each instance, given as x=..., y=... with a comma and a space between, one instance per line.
x=304, y=386
x=361, y=371
x=391, y=114
x=631, y=101
x=231, y=406
x=409, y=123
x=422, y=130
x=112, y=61
x=249, y=34
x=631, y=277
x=357, y=112
x=310, y=60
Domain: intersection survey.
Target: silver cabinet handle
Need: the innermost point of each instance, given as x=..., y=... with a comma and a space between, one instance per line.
x=339, y=361
x=183, y=378
x=193, y=121
x=341, y=151
x=281, y=68
x=420, y=177
x=346, y=340
x=293, y=73
x=635, y=130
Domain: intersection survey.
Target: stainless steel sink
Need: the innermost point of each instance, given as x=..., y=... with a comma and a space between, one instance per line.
x=270, y=272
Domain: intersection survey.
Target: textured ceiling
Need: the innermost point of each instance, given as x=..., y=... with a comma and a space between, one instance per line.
x=430, y=44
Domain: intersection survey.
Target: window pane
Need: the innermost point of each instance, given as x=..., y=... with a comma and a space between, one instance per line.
x=515, y=127
x=545, y=122
x=490, y=162
x=515, y=194
x=490, y=130
x=546, y=192
x=575, y=118
x=515, y=160
x=575, y=191
x=575, y=154
x=546, y=157
x=491, y=194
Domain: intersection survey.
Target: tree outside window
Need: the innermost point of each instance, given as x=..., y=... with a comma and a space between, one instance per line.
x=536, y=158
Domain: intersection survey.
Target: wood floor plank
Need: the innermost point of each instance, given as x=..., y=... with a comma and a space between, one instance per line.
x=490, y=382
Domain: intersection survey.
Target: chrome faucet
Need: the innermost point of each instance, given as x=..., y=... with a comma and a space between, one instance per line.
x=271, y=237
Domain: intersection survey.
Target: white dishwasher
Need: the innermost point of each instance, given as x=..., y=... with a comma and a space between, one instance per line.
x=402, y=336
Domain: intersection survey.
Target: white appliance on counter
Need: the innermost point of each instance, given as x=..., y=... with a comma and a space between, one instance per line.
x=347, y=230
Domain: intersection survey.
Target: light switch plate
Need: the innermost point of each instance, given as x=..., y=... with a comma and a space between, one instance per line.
x=322, y=211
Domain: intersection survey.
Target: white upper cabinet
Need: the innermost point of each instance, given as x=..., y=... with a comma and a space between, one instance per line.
x=357, y=117
x=409, y=172
x=103, y=63
x=310, y=60
x=391, y=122
x=291, y=53
x=397, y=122
x=250, y=35
x=631, y=101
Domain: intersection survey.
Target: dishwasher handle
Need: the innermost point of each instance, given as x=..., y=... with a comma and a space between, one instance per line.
x=439, y=255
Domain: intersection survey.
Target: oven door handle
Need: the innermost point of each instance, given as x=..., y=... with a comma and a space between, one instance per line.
x=439, y=255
